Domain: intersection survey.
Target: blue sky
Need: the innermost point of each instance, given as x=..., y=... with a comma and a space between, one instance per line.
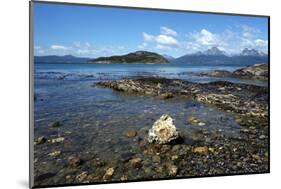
x=102, y=31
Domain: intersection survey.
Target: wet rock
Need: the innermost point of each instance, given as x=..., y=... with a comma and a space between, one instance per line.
x=55, y=153
x=108, y=174
x=124, y=178
x=216, y=73
x=262, y=137
x=174, y=157
x=43, y=177
x=195, y=121
x=97, y=162
x=156, y=159
x=68, y=177
x=172, y=170
x=135, y=162
x=147, y=170
x=201, y=149
x=131, y=133
x=256, y=157
x=167, y=95
x=55, y=124
x=127, y=156
x=41, y=140
x=57, y=140
x=163, y=131
x=256, y=71
x=212, y=149
x=81, y=177
x=74, y=161
x=231, y=97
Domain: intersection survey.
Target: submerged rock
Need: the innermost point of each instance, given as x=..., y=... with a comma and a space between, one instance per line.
x=55, y=153
x=195, y=121
x=131, y=133
x=167, y=95
x=74, y=161
x=55, y=124
x=135, y=162
x=56, y=140
x=41, y=140
x=163, y=131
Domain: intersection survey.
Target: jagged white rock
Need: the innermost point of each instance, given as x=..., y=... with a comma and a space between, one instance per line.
x=163, y=130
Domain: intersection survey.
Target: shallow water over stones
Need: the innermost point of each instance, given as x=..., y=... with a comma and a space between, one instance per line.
x=94, y=123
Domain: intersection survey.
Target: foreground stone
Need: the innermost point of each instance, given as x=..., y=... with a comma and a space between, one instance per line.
x=135, y=162
x=201, y=149
x=74, y=161
x=108, y=174
x=173, y=170
x=163, y=131
x=81, y=177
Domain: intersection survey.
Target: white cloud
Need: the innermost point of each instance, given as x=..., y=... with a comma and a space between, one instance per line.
x=162, y=47
x=249, y=32
x=58, y=47
x=231, y=40
x=206, y=38
x=168, y=31
x=193, y=46
x=166, y=40
x=163, y=40
x=143, y=45
x=82, y=49
x=261, y=43
x=147, y=37
x=82, y=52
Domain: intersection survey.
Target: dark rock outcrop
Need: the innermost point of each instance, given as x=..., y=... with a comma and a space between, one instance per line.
x=257, y=71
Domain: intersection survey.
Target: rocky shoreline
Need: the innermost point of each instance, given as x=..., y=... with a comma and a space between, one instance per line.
x=248, y=104
x=159, y=148
x=237, y=98
x=256, y=71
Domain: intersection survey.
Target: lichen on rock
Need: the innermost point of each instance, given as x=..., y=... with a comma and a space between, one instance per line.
x=163, y=131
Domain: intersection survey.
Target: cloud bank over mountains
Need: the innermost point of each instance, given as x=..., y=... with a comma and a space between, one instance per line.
x=231, y=40
x=167, y=41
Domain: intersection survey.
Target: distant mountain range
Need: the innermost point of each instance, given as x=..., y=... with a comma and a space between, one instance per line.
x=168, y=57
x=212, y=56
x=217, y=57
x=60, y=59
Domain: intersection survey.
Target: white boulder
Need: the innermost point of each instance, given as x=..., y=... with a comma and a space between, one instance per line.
x=163, y=131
